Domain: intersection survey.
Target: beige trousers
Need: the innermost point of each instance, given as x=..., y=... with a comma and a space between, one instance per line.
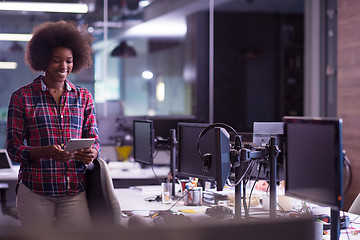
x=39, y=211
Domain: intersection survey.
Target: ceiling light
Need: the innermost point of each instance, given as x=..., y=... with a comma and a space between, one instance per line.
x=44, y=7
x=147, y=75
x=144, y=3
x=8, y=65
x=15, y=37
x=123, y=50
x=160, y=91
x=159, y=28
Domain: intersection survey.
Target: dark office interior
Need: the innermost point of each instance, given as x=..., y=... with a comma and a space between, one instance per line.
x=244, y=62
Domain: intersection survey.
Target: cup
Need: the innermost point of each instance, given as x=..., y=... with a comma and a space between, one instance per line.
x=193, y=197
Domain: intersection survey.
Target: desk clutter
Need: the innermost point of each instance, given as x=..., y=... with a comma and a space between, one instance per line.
x=142, y=206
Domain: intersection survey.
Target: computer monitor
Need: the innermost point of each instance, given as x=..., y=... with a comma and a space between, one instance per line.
x=222, y=157
x=262, y=132
x=143, y=141
x=314, y=160
x=5, y=162
x=216, y=141
x=189, y=163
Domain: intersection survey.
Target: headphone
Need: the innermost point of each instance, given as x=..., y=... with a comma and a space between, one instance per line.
x=207, y=157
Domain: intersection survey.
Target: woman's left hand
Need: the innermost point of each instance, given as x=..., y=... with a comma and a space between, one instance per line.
x=86, y=155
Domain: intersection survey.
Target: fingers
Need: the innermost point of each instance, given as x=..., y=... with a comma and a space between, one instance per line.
x=56, y=153
x=86, y=155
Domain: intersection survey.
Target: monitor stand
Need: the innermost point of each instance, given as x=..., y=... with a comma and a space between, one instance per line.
x=335, y=224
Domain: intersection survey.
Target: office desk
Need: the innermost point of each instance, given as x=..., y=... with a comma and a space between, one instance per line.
x=127, y=174
x=10, y=174
x=124, y=175
x=134, y=200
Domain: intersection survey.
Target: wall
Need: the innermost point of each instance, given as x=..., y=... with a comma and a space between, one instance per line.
x=349, y=86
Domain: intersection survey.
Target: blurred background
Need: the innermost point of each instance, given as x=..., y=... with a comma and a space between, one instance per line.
x=230, y=61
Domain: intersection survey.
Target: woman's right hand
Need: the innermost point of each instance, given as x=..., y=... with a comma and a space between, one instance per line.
x=59, y=154
x=52, y=151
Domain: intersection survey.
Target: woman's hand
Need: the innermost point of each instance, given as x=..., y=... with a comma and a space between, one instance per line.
x=53, y=151
x=86, y=155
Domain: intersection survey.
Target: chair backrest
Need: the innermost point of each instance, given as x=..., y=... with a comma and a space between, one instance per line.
x=103, y=204
x=355, y=206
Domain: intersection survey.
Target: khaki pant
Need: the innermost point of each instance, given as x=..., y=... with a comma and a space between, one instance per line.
x=39, y=211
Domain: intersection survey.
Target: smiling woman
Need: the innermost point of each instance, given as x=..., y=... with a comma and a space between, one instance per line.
x=42, y=117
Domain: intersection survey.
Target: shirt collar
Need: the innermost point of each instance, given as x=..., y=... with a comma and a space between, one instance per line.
x=68, y=85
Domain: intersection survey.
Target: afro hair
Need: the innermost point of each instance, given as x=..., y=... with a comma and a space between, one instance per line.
x=50, y=35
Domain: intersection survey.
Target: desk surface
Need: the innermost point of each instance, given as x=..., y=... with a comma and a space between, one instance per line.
x=118, y=170
x=133, y=199
x=10, y=174
x=133, y=170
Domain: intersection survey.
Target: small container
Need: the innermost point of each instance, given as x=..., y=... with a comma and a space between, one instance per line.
x=183, y=183
x=166, y=192
x=193, y=197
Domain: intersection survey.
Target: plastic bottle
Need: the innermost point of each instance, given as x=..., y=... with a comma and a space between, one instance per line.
x=166, y=191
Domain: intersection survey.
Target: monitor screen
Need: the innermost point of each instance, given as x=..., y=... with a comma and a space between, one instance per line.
x=314, y=160
x=143, y=141
x=189, y=162
x=5, y=162
x=215, y=141
x=222, y=157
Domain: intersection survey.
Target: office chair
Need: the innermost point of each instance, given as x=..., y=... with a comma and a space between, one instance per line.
x=7, y=210
x=103, y=204
x=355, y=206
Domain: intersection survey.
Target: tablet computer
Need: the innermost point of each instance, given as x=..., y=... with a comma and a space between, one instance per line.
x=77, y=144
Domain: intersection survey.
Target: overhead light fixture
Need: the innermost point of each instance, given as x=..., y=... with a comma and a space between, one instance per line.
x=159, y=27
x=8, y=65
x=15, y=37
x=123, y=50
x=16, y=47
x=160, y=91
x=44, y=7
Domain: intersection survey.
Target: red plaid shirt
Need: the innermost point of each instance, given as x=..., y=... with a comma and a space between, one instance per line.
x=34, y=121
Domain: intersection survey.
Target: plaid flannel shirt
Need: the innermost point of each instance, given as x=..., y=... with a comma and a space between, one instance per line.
x=35, y=120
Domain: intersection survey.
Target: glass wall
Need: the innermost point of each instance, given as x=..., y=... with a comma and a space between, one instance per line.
x=167, y=73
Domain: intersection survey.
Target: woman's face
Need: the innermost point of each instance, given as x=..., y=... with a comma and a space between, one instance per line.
x=60, y=64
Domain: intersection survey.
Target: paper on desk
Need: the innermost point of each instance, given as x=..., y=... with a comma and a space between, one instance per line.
x=191, y=211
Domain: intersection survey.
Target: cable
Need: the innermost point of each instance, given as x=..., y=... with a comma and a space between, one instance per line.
x=195, y=185
x=157, y=178
x=250, y=166
x=252, y=189
x=205, y=130
x=348, y=169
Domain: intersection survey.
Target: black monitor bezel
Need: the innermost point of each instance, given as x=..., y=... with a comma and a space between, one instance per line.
x=337, y=202
x=150, y=160
x=222, y=157
x=179, y=171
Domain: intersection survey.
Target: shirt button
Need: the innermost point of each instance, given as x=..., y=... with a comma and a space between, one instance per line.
x=62, y=116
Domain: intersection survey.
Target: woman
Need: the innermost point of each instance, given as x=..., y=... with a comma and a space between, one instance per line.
x=42, y=117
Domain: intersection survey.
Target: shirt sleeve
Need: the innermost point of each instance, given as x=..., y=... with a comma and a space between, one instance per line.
x=90, y=128
x=17, y=150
